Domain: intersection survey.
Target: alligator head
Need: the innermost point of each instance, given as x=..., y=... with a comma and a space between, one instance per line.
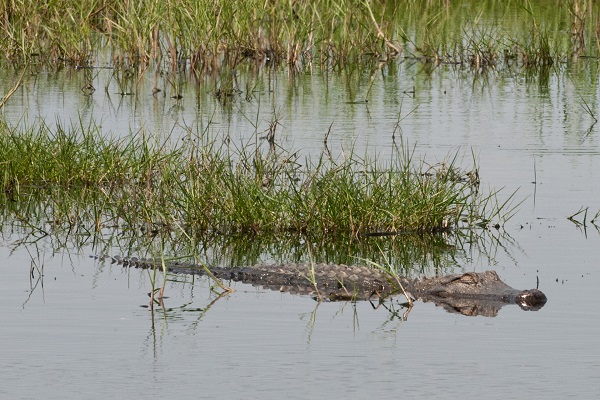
x=475, y=293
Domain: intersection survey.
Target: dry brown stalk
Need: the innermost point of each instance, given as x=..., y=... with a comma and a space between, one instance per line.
x=14, y=88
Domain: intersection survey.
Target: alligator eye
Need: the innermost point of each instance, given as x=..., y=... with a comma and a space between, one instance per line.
x=468, y=279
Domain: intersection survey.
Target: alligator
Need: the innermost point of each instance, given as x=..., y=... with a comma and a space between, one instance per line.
x=469, y=293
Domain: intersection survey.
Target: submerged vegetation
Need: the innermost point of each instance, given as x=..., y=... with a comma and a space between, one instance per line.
x=205, y=36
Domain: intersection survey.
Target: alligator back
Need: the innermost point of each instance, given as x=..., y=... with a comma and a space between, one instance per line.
x=331, y=282
x=481, y=293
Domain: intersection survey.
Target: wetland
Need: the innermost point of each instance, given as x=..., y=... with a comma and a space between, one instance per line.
x=427, y=138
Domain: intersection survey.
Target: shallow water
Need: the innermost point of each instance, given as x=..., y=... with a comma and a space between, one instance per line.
x=84, y=334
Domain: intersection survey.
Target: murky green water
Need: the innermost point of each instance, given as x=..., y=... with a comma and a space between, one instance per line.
x=81, y=333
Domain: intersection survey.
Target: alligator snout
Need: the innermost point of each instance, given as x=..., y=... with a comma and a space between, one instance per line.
x=531, y=300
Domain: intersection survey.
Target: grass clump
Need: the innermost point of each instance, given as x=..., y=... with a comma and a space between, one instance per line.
x=207, y=187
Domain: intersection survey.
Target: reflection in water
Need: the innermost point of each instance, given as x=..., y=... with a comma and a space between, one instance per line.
x=390, y=311
x=70, y=224
x=161, y=315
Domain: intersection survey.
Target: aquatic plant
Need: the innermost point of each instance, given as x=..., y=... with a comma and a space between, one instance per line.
x=581, y=219
x=208, y=187
x=206, y=36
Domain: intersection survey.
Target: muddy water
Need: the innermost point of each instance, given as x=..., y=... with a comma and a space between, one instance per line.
x=82, y=332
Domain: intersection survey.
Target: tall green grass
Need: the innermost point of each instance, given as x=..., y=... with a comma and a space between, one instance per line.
x=207, y=187
x=206, y=36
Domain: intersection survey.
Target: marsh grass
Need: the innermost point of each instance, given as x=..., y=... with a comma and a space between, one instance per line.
x=206, y=36
x=207, y=187
x=101, y=219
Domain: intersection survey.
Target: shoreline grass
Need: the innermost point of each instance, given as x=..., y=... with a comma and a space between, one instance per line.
x=207, y=36
x=206, y=187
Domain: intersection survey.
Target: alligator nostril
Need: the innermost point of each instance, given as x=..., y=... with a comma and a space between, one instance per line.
x=531, y=300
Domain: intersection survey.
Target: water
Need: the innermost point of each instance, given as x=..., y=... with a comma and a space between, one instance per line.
x=85, y=334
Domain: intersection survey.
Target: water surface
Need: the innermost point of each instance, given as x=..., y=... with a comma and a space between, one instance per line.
x=85, y=334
